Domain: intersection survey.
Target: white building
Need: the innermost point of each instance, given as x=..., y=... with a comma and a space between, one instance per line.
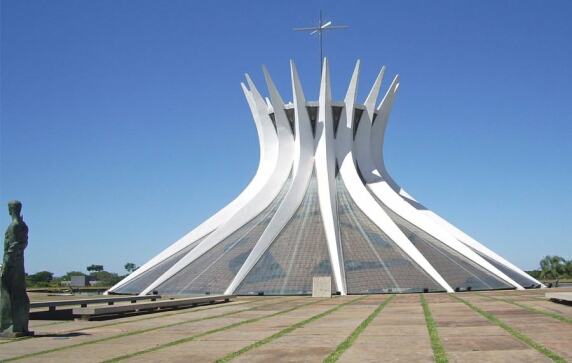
x=322, y=203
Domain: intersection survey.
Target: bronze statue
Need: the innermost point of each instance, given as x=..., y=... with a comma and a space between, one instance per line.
x=14, y=302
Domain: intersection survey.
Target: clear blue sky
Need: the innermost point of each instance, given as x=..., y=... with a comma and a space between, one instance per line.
x=110, y=109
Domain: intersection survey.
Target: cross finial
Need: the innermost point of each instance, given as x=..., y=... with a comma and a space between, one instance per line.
x=322, y=27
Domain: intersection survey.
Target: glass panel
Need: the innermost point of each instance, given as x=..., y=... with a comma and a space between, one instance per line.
x=138, y=284
x=373, y=262
x=212, y=272
x=459, y=271
x=298, y=253
x=518, y=278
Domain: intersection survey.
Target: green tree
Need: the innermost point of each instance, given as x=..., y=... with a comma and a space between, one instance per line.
x=105, y=278
x=130, y=267
x=552, y=267
x=41, y=277
x=95, y=268
x=568, y=268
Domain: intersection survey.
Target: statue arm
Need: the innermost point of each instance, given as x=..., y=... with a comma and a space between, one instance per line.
x=11, y=245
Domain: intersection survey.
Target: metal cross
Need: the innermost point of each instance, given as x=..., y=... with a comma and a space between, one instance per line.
x=322, y=27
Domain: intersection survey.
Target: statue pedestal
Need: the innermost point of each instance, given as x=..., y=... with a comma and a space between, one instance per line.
x=12, y=335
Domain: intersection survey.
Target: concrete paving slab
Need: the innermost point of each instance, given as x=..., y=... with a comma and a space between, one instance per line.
x=395, y=330
x=482, y=343
x=198, y=351
x=487, y=330
x=365, y=354
x=506, y=356
x=297, y=354
x=390, y=349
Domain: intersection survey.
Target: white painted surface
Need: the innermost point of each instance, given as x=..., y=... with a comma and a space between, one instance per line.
x=326, y=177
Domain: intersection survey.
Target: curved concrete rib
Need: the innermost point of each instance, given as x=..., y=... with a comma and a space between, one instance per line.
x=303, y=161
x=362, y=149
x=442, y=228
x=266, y=194
x=378, y=134
x=387, y=195
x=268, y=140
x=359, y=193
x=326, y=177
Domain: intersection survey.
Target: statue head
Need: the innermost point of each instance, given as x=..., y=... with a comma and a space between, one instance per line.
x=14, y=208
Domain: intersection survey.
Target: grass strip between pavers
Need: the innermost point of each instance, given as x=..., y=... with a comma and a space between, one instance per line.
x=532, y=309
x=513, y=331
x=135, y=332
x=438, y=350
x=349, y=341
x=208, y=332
x=291, y=328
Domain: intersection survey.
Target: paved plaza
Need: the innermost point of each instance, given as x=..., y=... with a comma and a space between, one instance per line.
x=499, y=326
